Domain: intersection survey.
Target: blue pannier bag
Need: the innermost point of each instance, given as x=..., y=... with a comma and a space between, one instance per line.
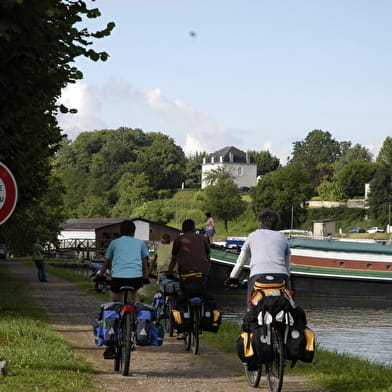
x=106, y=324
x=157, y=334
x=143, y=327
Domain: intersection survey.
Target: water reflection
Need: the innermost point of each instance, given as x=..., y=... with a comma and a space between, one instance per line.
x=359, y=328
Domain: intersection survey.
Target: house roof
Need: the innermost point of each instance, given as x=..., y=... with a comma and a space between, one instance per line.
x=97, y=223
x=229, y=154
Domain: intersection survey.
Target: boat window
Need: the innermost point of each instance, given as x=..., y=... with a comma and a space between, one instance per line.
x=341, y=264
x=369, y=266
x=389, y=267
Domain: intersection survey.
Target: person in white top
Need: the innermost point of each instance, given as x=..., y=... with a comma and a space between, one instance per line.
x=269, y=254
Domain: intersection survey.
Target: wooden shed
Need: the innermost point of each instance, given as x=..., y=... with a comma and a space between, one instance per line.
x=324, y=227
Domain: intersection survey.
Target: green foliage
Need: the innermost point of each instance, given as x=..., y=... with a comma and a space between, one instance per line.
x=351, y=178
x=223, y=200
x=160, y=210
x=331, y=190
x=218, y=174
x=380, y=195
x=318, y=148
x=345, y=217
x=265, y=162
x=39, y=41
x=283, y=190
x=385, y=154
x=355, y=153
x=192, y=172
x=124, y=168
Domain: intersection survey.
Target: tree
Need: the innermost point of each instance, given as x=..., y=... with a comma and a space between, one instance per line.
x=223, y=200
x=193, y=170
x=355, y=153
x=385, y=154
x=218, y=175
x=156, y=210
x=380, y=195
x=265, y=162
x=353, y=176
x=318, y=148
x=39, y=41
x=162, y=161
x=284, y=190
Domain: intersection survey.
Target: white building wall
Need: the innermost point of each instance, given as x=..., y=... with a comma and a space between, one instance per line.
x=77, y=234
x=245, y=174
x=142, y=230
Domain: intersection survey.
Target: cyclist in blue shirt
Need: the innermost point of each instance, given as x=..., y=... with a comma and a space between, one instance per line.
x=126, y=257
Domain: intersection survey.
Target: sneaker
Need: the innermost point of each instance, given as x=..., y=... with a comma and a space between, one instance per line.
x=109, y=353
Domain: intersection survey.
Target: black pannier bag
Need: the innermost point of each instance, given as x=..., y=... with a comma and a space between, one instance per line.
x=193, y=286
x=106, y=324
x=182, y=320
x=211, y=317
x=245, y=350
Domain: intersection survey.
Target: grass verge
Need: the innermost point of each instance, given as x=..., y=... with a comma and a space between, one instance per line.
x=333, y=371
x=37, y=358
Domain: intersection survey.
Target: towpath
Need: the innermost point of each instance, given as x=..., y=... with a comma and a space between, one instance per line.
x=153, y=369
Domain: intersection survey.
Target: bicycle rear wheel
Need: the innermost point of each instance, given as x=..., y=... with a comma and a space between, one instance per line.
x=127, y=331
x=195, y=334
x=169, y=321
x=253, y=375
x=275, y=369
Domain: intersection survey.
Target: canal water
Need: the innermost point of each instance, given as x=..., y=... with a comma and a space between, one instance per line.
x=356, y=327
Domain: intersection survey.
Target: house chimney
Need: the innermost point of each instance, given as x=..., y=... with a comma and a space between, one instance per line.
x=247, y=157
x=231, y=156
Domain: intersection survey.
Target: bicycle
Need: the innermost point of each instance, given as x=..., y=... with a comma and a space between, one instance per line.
x=274, y=369
x=126, y=341
x=191, y=337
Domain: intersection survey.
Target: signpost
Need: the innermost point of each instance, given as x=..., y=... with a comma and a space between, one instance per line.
x=8, y=193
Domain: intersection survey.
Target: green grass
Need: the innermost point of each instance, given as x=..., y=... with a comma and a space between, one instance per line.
x=37, y=358
x=333, y=371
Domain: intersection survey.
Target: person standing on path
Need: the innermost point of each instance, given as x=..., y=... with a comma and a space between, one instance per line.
x=269, y=252
x=209, y=227
x=37, y=252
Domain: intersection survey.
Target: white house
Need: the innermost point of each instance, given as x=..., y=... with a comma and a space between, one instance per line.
x=241, y=165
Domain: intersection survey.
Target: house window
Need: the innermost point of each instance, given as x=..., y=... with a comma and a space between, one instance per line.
x=239, y=171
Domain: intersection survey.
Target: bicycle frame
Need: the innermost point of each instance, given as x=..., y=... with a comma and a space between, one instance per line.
x=126, y=341
x=192, y=336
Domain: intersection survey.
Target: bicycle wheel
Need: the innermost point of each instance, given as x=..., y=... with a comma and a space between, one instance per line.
x=195, y=334
x=187, y=340
x=275, y=369
x=253, y=375
x=127, y=328
x=117, y=357
x=169, y=321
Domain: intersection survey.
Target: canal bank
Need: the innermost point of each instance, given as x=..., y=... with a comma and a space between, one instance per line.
x=153, y=368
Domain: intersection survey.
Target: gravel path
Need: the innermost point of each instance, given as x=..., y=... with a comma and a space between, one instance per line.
x=153, y=369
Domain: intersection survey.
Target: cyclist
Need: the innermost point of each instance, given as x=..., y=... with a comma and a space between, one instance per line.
x=191, y=253
x=269, y=252
x=126, y=257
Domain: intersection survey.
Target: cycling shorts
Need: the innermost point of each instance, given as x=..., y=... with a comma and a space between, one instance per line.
x=116, y=283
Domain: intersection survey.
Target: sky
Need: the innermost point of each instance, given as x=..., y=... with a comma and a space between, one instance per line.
x=254, y=74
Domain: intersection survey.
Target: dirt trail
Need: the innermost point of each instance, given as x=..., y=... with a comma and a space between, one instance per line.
x=153, y=369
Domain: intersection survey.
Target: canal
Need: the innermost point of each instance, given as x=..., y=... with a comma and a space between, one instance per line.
x=356, y=327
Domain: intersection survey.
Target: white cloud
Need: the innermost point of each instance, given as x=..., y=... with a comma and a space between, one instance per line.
x=86, y=99
x=199, y=131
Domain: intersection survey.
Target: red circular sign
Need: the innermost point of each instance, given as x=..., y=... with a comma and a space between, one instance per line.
x=8, y=193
